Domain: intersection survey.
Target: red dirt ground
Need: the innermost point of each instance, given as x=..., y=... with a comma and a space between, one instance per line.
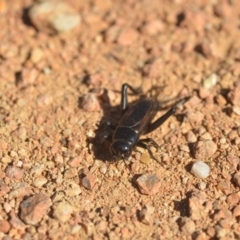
x=58, y=88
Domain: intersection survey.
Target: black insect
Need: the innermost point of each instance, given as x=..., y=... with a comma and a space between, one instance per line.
x=136, y=121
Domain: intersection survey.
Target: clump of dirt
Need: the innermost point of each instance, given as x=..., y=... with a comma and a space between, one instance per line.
x=60, y=81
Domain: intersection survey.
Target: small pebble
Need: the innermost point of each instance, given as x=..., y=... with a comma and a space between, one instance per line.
x=237, y=141
x=89, y=181
x=211, y=231
x=221, y=100
x=127, y=37
x=75, y=161
x=210, y=82
x=233, y=160
x=125, y=233
x=187, y=225
x=62, y=211
x=39, y=181
x=34, y=208
x=236, y=211
x=226, y=223
x=223, y=10
x=20, y=190
x=88, y=227
x=103, y=169
x=22, y=133
x=58, y=196
x=90, y=103
x=7, y=207
x=191, y=137
x=233, y=199
x=112, y=33
x=222, y=140
x=201, y=130
x=101, y=226
x=223, y=186
x=148, y=184
x=206, y=136
x=70, y=173
x=236, y=109
x=184, y=148
x=196, y=208
x=36, y=55
x=54, y=17
x=27, y=77
x=154, y=27
x=16, y=222
x=58, y=159
x=4, y=226
x=66, y=22
x=194, y=117
x=222, y=214
x=202, y=185
x=185, y=180
x=73, y=189
x=220, y=232
x=232, y=135
x=145, y=216
x=204, y=149
x=204, y=93
x=145, y=158
x=75, y=229
x=4, y=189
x=95, y=79
x=15, y=173
x=200, y=169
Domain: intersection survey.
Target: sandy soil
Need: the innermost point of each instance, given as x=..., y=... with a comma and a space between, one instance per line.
x=58, y=88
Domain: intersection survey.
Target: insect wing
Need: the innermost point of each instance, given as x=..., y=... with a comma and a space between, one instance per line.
x=139, y=115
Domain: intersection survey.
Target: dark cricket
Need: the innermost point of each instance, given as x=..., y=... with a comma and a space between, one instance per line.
x=137, y=120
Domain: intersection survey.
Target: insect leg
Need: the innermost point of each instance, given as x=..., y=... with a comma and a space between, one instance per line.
x=168, y=114
x=107, y=132
x=145, y=146
x=150, y=141
x=124, y=100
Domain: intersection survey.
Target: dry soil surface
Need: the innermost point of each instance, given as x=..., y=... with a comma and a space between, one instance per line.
x=62, y=66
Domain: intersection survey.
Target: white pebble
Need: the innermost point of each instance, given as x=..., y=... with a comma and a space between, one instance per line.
x=185, y=180
x=200, y=169
x=52, y=16
x=39, y=181
x=210, y=81
x=65, y=22
x=202, y=185
x=103, y=169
